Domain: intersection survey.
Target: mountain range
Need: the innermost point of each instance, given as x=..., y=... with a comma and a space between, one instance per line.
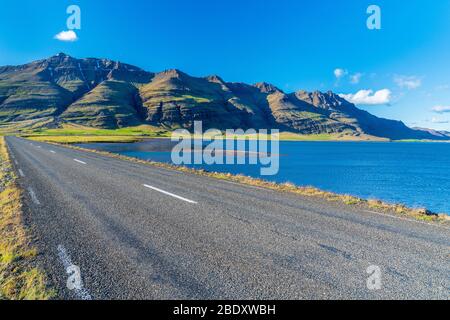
x=102, y=93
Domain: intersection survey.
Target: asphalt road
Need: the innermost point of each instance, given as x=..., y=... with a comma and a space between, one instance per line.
x=139, y=232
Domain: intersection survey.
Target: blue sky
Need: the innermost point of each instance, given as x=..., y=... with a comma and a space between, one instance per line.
x=293, y=44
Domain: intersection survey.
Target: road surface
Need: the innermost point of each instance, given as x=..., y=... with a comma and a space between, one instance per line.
x=139, y=232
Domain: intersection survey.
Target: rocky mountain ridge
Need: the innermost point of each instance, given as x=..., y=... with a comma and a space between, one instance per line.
x=106, y=94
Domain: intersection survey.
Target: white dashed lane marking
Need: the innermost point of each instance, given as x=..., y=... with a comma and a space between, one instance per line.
x=79, y=161
x=169, y=194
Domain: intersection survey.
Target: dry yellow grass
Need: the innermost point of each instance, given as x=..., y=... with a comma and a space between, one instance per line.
x=20, y=279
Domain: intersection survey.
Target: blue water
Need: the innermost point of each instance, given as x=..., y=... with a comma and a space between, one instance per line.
x=416, y=174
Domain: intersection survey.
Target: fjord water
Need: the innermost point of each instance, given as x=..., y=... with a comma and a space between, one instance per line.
x=416, y=174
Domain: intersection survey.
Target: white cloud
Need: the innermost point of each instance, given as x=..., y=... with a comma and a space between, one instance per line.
x=441, y=109
x=369, y=97
x=339, y=73
x=68, y=36
x=443, y=87
x=436, y=120
x=356, y=78
x=408, y=82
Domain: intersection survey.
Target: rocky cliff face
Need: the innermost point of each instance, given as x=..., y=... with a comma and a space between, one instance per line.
x=107, y=94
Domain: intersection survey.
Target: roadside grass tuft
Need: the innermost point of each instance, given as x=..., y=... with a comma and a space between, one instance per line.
x=20, y=278
x=425, y=218
x=350, y=200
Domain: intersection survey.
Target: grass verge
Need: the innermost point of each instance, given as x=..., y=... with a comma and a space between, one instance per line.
x=20, y=278
x=419, y=214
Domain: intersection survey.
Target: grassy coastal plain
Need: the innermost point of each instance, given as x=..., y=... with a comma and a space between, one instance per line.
x=72, y=134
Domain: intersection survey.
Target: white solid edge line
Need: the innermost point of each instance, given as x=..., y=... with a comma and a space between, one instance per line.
x=169, y=194
x=407, y=219
x=21, y=173
x=33, y=196
x=79, y=161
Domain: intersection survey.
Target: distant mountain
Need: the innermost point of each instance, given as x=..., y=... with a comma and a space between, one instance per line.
x=107, y=94
x=438, y=133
